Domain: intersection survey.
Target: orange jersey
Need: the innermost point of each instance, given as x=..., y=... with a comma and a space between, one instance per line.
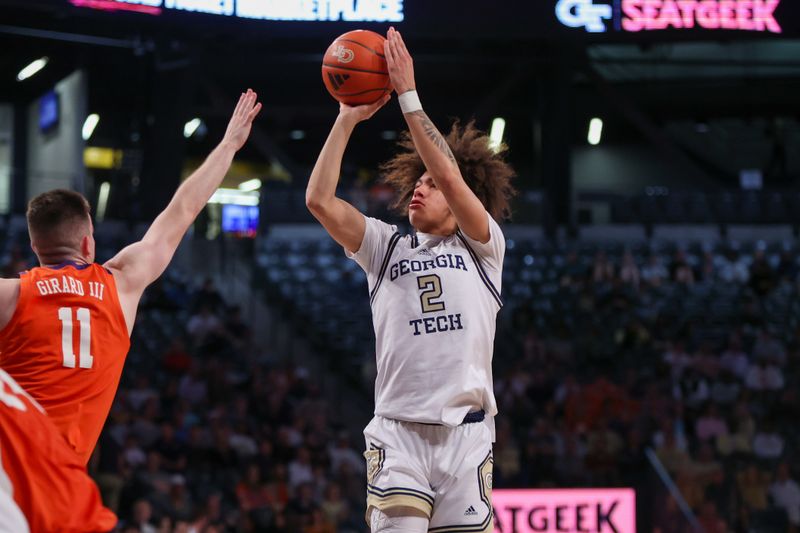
x=66, y=345
x=48, y=481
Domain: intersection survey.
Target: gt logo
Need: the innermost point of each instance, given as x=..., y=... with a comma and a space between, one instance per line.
x=577, y=13
x=344, y=55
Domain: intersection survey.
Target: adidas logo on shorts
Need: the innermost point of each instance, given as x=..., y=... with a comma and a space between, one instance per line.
x=470, y=511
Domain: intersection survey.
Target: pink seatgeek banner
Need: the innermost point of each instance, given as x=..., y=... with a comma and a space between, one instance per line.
x=560, y=510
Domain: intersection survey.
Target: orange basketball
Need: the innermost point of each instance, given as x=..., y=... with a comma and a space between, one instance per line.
x=354, y=68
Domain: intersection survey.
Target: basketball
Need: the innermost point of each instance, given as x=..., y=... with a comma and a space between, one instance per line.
x=354, y=68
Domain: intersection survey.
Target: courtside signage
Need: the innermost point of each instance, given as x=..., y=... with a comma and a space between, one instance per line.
x=559, y=510
x=299, y=10
x=599, y=16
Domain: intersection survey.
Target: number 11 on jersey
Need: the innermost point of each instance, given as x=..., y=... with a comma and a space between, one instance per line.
x=85, y=358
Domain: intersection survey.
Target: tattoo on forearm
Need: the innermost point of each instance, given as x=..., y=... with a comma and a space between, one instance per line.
x=434, y=135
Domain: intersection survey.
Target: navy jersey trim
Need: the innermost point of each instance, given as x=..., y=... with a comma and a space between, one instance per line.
x=76, y=265
x=481, y=272
x=384, y=265
x=402, y=491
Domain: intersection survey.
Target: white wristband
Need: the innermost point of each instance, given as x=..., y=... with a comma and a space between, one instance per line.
x=409, y=102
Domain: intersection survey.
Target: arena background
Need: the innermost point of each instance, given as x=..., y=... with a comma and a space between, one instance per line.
x=650, y=335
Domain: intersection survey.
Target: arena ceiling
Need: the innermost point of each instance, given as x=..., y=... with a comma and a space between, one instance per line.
x=700, y=92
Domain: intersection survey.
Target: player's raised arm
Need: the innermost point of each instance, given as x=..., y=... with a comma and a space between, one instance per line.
x=342, y=221
x=139, y=264
x=431, y=145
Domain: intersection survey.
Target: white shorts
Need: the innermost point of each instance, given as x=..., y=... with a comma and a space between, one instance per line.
x=444, y=472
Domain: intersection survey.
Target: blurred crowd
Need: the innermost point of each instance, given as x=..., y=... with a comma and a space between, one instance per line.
x=210, y=433
x=695, y=357
x=609, y=365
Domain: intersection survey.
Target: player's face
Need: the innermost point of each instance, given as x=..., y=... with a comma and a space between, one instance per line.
x=428, y=211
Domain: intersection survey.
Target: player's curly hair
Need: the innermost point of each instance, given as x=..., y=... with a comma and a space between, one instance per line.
x=485, y=171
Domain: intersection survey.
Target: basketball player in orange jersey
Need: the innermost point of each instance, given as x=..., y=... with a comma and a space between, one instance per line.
x=66, y=324
x=44, y=486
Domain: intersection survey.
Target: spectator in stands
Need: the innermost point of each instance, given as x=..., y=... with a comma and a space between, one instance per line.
x=300, y=509
x=677, y=358
x=192, y=390
x=300, y=469
x=238, y=332
x=705, y=361
x=768, y=443
x=629, y=271
x=341, y=451
x=734, y=358
x=725, y=389
x=768, y=348
x=705, y=470
x=694, y=389
x=207, y=296
x=252, y=493
x=710, y=520
x=681, y=271
x=764, y=376
x=204, y=324
x=569, y=468
x=710, y=425
x=574, y=272
x=753, y=484
x=654, y=272
x=733, y=268
x=672, y=455
x=707, y=271
x=334, y=507
x=669, y=518
x=181, y=507
x=142, y=517
x=737, y=443
x=176, y=359
x=785, y=492
x=762, y=278
x=602, y=268
x=603, y=448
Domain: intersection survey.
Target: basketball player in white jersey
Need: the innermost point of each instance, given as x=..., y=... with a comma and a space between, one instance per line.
x=434, y=296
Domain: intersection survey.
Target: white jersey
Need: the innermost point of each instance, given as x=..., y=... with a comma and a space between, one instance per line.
x=434, y=302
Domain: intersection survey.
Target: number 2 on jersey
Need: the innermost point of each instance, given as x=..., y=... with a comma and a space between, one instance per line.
x=433, y=289
x=85, y=358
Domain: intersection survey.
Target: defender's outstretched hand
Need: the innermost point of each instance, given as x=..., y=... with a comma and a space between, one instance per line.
x=359, y=113
x=239, y=126
x=401, y=66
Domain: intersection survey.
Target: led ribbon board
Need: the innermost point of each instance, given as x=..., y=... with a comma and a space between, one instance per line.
x=599, y=16
x=556, y=510
x=299, y=10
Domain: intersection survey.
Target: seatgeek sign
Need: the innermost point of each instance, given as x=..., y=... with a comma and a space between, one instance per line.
x=290, y=10
x=631, y=16
x=562, y=510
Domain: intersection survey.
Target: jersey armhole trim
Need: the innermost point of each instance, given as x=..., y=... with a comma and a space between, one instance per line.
x=384, y=265
x=481, y=272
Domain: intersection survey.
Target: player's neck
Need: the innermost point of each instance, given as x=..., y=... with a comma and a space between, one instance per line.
x=60, y=256
x=443, y=230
